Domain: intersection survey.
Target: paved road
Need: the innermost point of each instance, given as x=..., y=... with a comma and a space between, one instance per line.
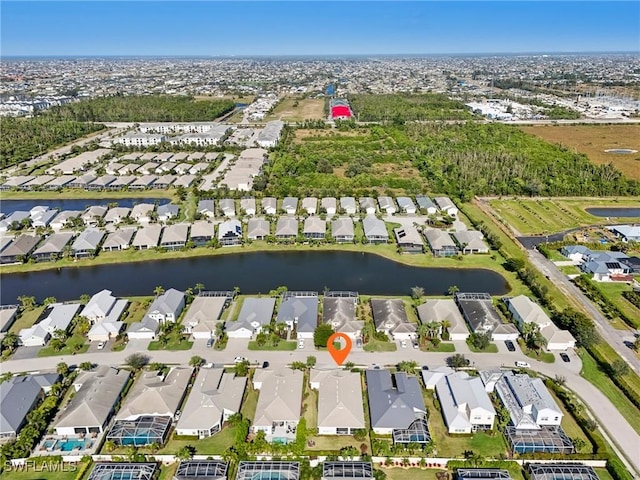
x=616, y=338
x=626, y=439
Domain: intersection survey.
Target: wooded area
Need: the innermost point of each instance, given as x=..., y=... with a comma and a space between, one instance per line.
x=25, y=138
x=143, y=108
x=400, y=108
x=461, y=160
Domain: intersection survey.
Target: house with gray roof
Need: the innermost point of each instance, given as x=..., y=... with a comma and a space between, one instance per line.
x=206, y=208
x=5, y=242
x=301, y=312
x=93, y=215
x=258, y=228
x=310, y=205
x=524, y=310
x=156, y=395
x=143, y=182
x=279, y=404
x=175, y=236
x=147, y=237
x=254, y=314
x=368, y=205
x=164, y=181
x=145, y=329
x=387, y=205
x=230, y=233
x=92, y=406
x=214, y=397
x=465, y=405
x=8, y=315
x=408, y=239
x=406, y=205
x=119, y=240
x=87, y=243
x=328, y=205
x=43, y=218
x=577, y=253
x=56, y=317
x=444, y=310
x=122, y=181
x=627, y=233
x=340, y=313
x=348, y=205
x=60, y=221
x=395, y=401
x=375, y=230
x=18, y=396
x=342, y=230
x=82, y=181
x=101, y=182
x=17, y=216
x=58, y=183
x=269, y=205
x=116, y=214
x=167, y=307
x=314, y=228
x=184, y=181
x=202, y=232
x=479, y=312
x=20, y=249
x=167, y=211
x=390, y=317
x=340, y=410
x=446, y=205
x=286, y=228
x=470, y=241
x=425, y=205
x=248, y=205
x=53, y=247
x=290, y=205
x=440, y=243
x=227, y=207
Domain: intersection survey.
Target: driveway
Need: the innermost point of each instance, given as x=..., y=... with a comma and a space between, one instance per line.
x=137, y=345
x=23, y=353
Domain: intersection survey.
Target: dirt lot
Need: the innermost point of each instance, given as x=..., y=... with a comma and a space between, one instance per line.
x=593, y=140
x=305, y=109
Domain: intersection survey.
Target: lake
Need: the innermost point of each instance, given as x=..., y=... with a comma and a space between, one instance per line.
x=254, y=273
x=614, y=211
x=8, y=206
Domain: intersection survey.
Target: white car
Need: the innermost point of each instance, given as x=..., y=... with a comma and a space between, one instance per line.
x=522, y=364
x=101, y=345
x=301, y=343
x=403, y=343
x=239, y=360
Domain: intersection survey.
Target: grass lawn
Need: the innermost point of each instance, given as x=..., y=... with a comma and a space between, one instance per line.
x=298, y=109
x=167, y=471
x=491, y=348
x=378, y=346
x=334, y=442
x=250, y=402
x=136, y=310
x=397, y=473
x=443, y=347
x=26, y=319
x=571, y=427
x=597, y=377
x=613, y=292
x=176, y=341
x=69, y=349
x=35, y=473
x=283, y=345
x=482, y=443
x=215, y=444
x=603, y=474
x=310, y=407
x=546, y=357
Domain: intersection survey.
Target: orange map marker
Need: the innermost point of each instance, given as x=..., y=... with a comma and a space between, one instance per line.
x=339, y=355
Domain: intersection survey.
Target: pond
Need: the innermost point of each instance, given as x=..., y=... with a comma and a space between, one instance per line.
x=8, y=206
x=254, y=273
x=614, y=211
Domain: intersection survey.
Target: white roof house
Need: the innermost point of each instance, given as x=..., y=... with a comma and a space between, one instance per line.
x=230, y=232
x=290, y=205
x=227, y=207
x=202, y=315
x=248, y=205
x=446, y=205
x=524, y=310
x=368, y=205
x=432, y=376
x=406, y=205
x=258, y=228
x=310, y=205
x=387, y=205
x=375, y=230
x=465, y=404
x=342, y=230
x=56, y=317
x=329, y=205
x=141, y=212
x=442, y=310
x=116, y=214
x=471, y=241
x=147, y=237
x=529, y=402
x=96, y=395
x=340, y=410
x=254, y=314
x=269, y=205
x=279, y=404
x=214, y=397
x=156, y=395
x=348, y=205
x=286, y=228
x=167, y=307
x=103, y=306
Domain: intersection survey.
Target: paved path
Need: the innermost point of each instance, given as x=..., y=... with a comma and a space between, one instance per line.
x=614, y=337
x=617, y=428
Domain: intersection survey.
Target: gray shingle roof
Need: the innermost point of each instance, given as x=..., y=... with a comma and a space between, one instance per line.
x=393, y=406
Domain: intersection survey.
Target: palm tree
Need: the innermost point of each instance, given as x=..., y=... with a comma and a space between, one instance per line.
x=110, y=445
x=159, y=290
x=199, y=287
x=62, y=369
x=423, y=332
x=453, y=289
x=11, y=341
x=28, y=302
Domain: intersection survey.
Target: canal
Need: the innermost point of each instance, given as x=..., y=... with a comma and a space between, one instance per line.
x=619, y=212
x=254, y=273
x=8, y=206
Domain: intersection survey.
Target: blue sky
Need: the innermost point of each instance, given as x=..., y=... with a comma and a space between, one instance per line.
x=316, y=28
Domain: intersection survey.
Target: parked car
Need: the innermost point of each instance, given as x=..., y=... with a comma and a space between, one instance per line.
x=565, y=358
x=265, y=364
x=239, y=360
x=403, y=343
x=358, y=342
x=415, y=344
x=101, y=345
x=510, y=346
x=301, y=343
x=178, y=413
x=521, y=364
x=210, y=343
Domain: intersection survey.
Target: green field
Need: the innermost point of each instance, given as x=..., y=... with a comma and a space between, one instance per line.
x=36, y=473
x=613, y=292
x=544, y=216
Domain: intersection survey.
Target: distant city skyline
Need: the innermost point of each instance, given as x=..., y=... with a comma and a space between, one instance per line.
x=314, y=28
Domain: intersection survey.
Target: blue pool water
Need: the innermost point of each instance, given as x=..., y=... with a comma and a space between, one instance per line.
x=72, y=444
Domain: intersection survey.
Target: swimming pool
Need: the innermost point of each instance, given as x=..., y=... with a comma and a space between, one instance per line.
x=71, y=444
